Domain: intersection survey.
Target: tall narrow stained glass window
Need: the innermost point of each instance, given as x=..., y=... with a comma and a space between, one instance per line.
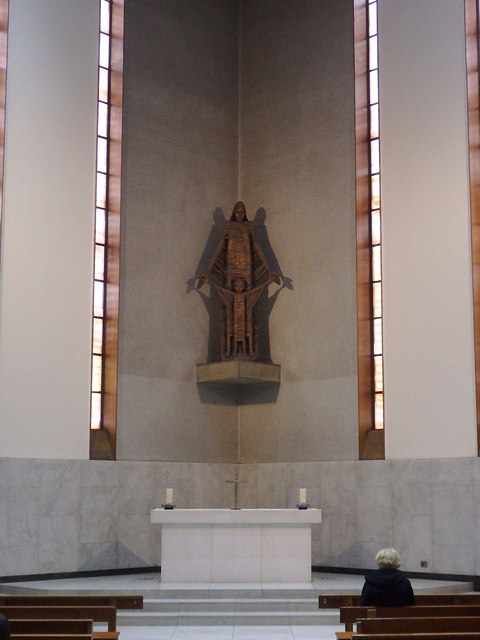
x=3, y=84
x=107, y=211
x=375, y=212
x=103, y=109
x=368, y=224
x=472, y=41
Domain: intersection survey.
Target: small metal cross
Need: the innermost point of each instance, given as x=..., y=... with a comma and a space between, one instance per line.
x=236, y=482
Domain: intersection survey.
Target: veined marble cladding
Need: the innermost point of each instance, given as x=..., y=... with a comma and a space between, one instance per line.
x=76, y=515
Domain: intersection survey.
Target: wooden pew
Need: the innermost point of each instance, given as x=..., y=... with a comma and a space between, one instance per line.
x=63, y=625
x=119, y=601
x=51, y=636
x=337, y=600
x=418, y=625
x=106, y=614
x=349, y=615
x=93, y=607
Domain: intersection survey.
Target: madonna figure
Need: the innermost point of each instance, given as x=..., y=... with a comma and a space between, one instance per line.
x=241, y=267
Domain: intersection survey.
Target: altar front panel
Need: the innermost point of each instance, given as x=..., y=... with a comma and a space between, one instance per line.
x=236, y=554
x=225, y=546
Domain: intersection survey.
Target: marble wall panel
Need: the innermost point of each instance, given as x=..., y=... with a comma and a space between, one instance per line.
x=373, y=515
x=412, y=537
x=209, y=485
x=99, y=515
x=19, y=472
x=337, y=480
x=17, y=560
x=60, y=485
x=453, y=559
x=97, y=556
x=411, y=485
x=373, y=473
x=58, y=544
x=452, y=471
x=23, y=514
x=272, y=486
x=476, y=512
x=365, y=506
x=452, y=516
x=136, y=493
x=247, y=473
x=4, y=511
x=333, y=542
x=365, y=553
x=136, y=541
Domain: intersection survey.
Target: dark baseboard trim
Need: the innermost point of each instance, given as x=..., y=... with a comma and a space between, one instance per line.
x=319, y=568
x=79, y=574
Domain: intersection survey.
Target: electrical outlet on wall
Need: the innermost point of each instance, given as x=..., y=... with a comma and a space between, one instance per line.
x=423, y=564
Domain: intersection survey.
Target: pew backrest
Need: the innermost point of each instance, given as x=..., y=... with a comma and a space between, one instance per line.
x=18, y=626
x=119, y=601
x=337, y=600
x=50, y=636
x=418, y=625
x=106, y=614
x=349, y=615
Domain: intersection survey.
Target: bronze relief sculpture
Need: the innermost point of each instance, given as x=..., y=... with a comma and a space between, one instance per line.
x=238, y=271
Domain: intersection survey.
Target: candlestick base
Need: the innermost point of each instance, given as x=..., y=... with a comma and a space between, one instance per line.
x=168, y=506
x=302, y=505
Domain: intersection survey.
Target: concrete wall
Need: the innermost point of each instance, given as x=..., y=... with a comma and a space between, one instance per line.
x=297, y=163
x=428, y=318
x=180, y=168
x=47, y=228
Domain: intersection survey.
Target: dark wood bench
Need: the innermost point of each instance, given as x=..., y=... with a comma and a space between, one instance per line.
x=107, y=614
x=418, y=625
x=63, y=625
x=337, y=600
x=51, y=636
x=119, y=601
x=93, y=607
x=349, y=615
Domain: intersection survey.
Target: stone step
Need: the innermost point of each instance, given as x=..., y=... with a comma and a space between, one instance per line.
x=230, y=605
x=211, y=618
x=220, y=591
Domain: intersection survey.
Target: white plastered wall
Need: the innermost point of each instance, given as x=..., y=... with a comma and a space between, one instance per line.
x=47, y=228
x=428, y=334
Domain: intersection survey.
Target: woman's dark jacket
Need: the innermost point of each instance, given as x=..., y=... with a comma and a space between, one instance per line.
x=387, y=587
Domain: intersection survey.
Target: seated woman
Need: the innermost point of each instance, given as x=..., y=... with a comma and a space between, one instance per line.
x=387, y=586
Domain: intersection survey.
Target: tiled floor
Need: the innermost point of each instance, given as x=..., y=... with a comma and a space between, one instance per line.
x=309, y=632
x=148, y=583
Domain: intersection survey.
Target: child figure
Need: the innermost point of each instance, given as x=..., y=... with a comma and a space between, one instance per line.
x=239, y=324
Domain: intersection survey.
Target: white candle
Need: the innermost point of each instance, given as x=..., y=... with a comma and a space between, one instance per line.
x=169, y=496
x=302, y=498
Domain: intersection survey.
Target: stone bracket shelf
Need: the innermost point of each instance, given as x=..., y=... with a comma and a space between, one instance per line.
x=238, y=373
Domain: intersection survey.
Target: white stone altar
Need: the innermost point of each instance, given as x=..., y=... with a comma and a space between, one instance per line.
x=229, y=545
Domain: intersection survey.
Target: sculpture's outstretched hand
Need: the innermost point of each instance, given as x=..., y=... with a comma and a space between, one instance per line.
x=202, y=280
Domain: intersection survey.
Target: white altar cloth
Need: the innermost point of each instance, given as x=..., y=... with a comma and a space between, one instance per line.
x=236, y=546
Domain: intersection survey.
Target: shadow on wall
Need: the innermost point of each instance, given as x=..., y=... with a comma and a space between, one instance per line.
x=115, y=556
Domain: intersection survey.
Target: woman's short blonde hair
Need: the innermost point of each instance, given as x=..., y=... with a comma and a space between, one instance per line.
x=388, y=558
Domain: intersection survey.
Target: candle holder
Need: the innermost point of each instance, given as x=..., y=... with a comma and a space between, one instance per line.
x=302, y=505
x=169, y=505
